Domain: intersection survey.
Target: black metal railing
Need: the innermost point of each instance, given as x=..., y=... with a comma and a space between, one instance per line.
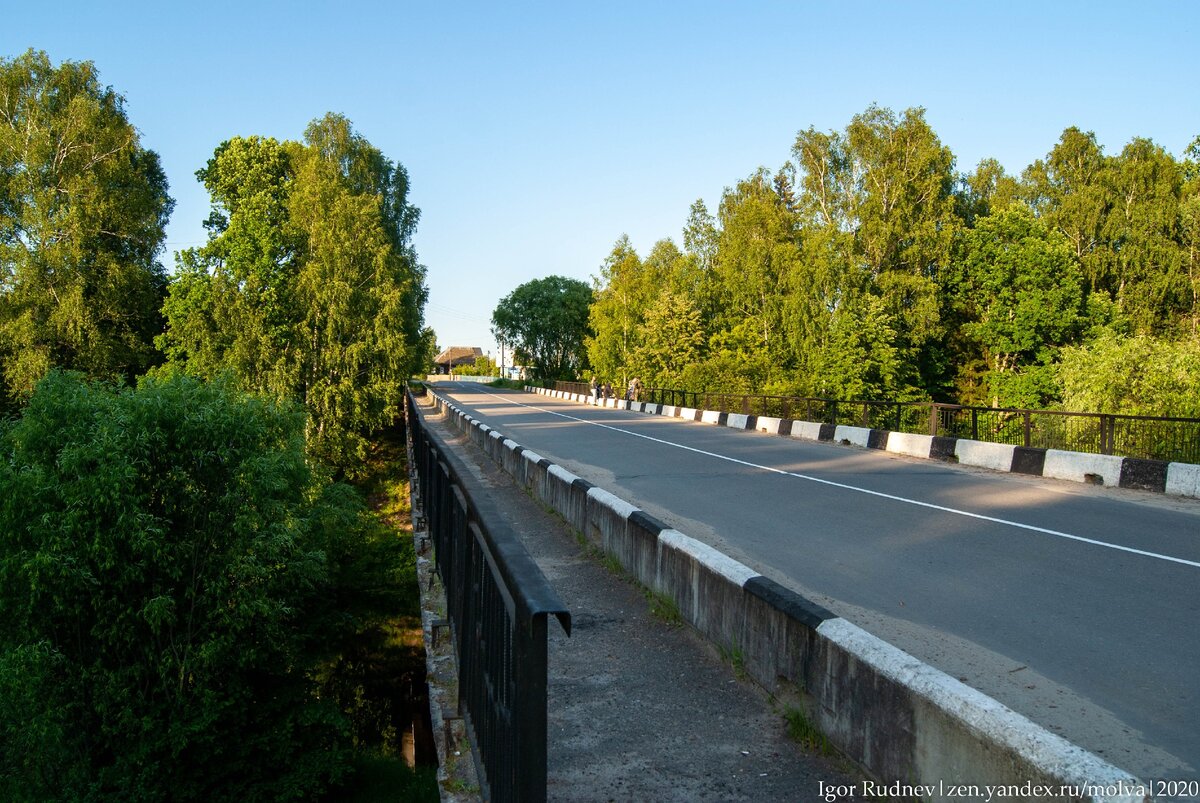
x=1148, y=437
x=497, y=602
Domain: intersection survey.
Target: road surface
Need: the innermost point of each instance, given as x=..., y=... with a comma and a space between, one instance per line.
x=1076, y=606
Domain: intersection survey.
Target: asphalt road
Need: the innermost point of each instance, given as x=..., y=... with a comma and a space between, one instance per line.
x=1076, y=606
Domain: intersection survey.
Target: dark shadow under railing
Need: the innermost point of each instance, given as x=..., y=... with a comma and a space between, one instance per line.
x=497, y=602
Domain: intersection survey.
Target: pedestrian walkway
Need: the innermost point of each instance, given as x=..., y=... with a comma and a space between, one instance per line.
x=640, y=708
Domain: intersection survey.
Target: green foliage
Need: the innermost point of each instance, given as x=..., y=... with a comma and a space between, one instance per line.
x=172, y=577
x=669, y=340
x=83, y=207
x=546, y=321
x=867, y=268
x=483, y=366
x=1019, y=289
x=379, y=778
x=1139, y=375
x=309, y=287
x=860, y=360
x=622, y=292
x=802, y=731
x=755, y=251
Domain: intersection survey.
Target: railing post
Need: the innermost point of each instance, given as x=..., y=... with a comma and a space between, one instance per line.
x=933, y=419
x=974, y=424
x=1028, y=440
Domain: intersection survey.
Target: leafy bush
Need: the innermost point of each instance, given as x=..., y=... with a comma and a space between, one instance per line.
x=167, y=596
x=1139, y=375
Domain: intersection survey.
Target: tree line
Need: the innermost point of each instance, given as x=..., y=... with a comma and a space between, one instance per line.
x=867, y=267
x=180, y=577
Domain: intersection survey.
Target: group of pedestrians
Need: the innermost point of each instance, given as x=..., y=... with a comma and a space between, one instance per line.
x=605, y=391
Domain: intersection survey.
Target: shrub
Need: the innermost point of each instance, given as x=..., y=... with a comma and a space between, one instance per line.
x=166, y=596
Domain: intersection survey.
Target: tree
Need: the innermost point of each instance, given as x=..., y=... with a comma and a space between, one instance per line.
x=1142, y=231
x=987, y=188
x=309, y=287
x=1189, y=213
x=1138, y=375
x=1069, y=190
x=756, y=250
x=167, y=581
x=859, y=361
x=546, y=321
x=83, y=207
x=878, y=201
x=620, y=295
x=1021, y=294
x=670, y=340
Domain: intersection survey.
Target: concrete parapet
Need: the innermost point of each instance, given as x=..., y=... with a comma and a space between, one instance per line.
x=1183, y=479
x=858, y=436
x=712, y=417
x=996, y=456
x=535, y=473
x=909, y=444
x=607, y=520
x=740, y=421
x=1080, y=467
x=773, y=426
x=808, y=430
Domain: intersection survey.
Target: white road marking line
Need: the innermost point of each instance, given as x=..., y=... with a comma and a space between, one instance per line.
x=844, y=486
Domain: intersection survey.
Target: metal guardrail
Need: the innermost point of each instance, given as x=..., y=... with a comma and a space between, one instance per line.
x=1147, y=437
x=498, y=601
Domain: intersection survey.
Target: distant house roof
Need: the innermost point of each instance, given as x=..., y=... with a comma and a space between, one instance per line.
x=458, y=355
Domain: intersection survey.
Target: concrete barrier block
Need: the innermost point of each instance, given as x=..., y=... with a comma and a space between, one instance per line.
x=779, y=635
x=1080, y=467
x=1028, y=460
x=907, y=720
x=706, y=585
x=996, y=456
x=640, y=555
x=1146, y=475
x=740, y=421
x=1183, y=479
x=669, y=410
x=773, y=426
x=535, y=473
x=710, y=416
x=607, y=520
x=942, y=447
x=859, y=436
x=690, y=413
x=559, y=493
x=910, y=444
x=511, y=462
x=808, y=430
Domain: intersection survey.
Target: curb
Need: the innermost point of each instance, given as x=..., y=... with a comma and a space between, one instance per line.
x=900, y=719
x=1160, y=476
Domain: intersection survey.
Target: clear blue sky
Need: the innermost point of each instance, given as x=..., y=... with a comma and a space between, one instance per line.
x=537, y=133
